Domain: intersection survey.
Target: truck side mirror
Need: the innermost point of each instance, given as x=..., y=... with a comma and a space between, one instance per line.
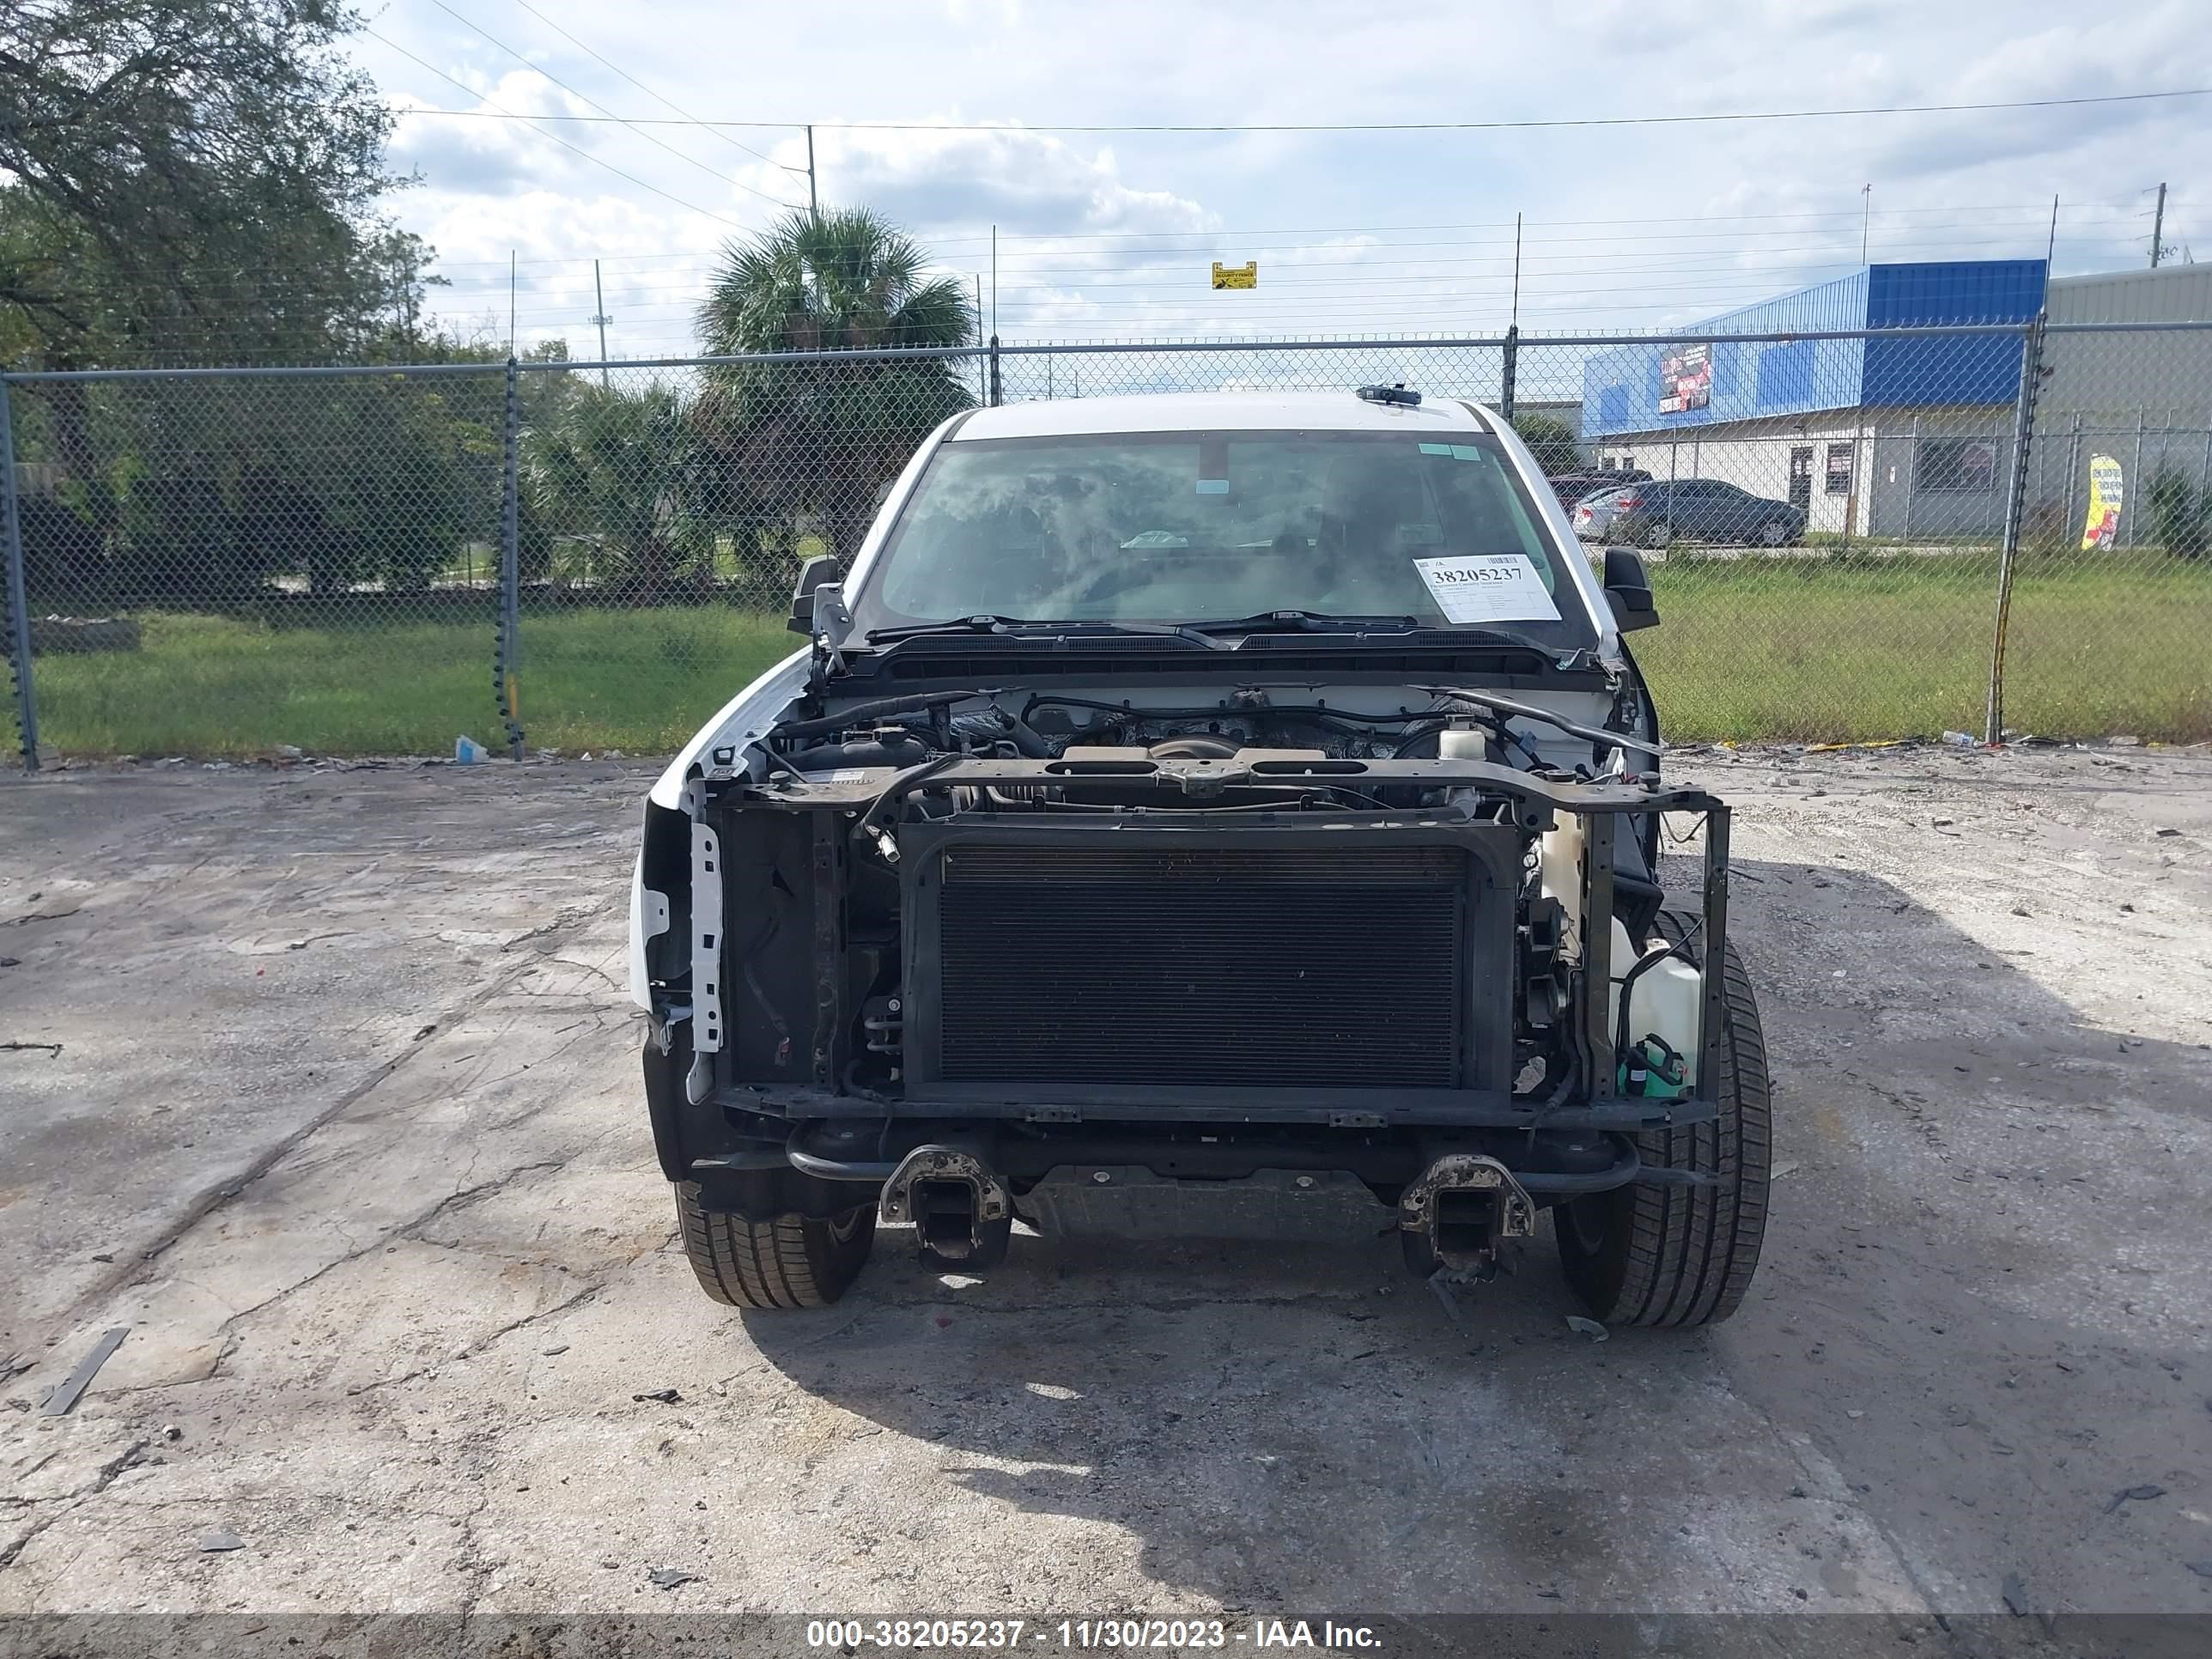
x=817, y=572
x=1628, y=588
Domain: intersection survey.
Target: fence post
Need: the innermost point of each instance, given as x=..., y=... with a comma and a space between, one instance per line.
x=995, y=398
x=19, y=613
x=2073, y=473
x=1512, y=371
x=508, y=650
x=2137, y=479
x=2023, y=435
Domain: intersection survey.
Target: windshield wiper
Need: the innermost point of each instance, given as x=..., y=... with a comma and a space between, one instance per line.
x=1024, y=627
x=1322, y=621
x=1301, y=622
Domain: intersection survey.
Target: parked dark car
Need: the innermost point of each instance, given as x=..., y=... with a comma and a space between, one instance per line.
x=1572, y=487
x=1655, y=513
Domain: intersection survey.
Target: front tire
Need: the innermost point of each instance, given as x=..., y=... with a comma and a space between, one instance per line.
x=1684, y=1256
x=1773, y=534
x=791, y=1261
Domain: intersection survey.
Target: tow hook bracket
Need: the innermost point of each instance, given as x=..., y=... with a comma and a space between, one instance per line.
x=950, y=1196
x=1462, y=1205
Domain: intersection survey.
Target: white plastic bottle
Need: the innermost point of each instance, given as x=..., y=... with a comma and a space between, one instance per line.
x=1668, y=999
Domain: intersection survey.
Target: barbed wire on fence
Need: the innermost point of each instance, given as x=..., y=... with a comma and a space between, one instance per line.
x=234, y=561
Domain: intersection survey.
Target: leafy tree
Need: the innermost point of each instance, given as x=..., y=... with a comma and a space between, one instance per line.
x=1550, y=441
x=197, y=181
x=193, y=179
x=821, y=439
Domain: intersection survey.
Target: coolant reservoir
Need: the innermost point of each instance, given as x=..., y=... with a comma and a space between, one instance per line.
x=1560, y=875
x=1667, y=1001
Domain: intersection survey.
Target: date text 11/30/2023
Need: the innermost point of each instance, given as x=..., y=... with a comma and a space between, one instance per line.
x=1089, y=1635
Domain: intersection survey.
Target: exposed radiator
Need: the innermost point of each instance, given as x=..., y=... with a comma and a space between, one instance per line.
x=1231, y=966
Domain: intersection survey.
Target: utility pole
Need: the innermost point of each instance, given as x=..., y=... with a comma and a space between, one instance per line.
x=813, y=205
x=1866, y=216
x=1515, y=320
x=511, y=258
x=601, y=317
x=1508, y=364
x=2049, y=252
x=2157, y=227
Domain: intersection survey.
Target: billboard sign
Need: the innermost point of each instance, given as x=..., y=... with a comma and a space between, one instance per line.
x=1686, y=379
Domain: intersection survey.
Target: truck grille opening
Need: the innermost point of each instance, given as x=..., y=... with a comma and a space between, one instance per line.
x=1229, y=966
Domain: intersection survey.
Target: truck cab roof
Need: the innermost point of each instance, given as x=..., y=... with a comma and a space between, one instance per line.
x=1218, y=411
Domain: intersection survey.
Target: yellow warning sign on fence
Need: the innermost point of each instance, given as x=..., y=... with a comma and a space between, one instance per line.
x=2107, y=494
x=1243, y=276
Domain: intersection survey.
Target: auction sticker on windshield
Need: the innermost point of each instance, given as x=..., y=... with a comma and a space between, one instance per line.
x=1488, y=588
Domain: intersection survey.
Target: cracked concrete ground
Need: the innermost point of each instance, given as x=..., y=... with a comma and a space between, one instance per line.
x=345, y=1128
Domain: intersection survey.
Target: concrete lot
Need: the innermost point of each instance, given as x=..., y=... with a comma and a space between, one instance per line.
x=344, y=1125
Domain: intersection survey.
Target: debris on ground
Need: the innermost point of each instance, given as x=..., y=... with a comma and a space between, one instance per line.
x=23, y=1047
x=221, y=1539
x=67, y=1392
x=669, y=1577
x=2015, y=1595
x=666, y=1396
x=2201, y=1568
x=1589, y=1327
x=2142, y=1494
x=1789, y=1166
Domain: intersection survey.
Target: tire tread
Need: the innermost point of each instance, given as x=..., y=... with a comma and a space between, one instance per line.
x=789, y=1261
x=1689, y=1253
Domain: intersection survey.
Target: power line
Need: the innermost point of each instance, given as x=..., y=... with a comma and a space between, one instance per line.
x=1244, y=235
x=703, y=126
x=689, y=207
x=715, y=173
x=1406, y=126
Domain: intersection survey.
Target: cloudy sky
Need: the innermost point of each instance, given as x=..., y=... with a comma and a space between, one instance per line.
x=1111, y=234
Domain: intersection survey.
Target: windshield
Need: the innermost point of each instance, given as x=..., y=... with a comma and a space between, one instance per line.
x=1188, y=526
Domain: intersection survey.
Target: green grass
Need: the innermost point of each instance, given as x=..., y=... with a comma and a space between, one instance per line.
x=642, y=681
x=1868, y=646
x=1812, y=649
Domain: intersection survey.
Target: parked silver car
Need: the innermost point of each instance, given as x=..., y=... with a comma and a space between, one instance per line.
x=1661, y=512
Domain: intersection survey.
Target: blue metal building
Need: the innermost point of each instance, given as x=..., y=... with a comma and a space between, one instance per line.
x=1920, y=413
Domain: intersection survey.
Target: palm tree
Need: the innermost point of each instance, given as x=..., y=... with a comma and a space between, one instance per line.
x=846, y=279
x=821, y=437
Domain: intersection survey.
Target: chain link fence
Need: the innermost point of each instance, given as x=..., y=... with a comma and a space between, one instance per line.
x=1841, y=527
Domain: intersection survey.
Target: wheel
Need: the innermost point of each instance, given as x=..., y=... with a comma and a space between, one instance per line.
x=1684, y=1256
x=1773, y=532
x=1660, y=535
x=988, y=1253
x=793, y=1262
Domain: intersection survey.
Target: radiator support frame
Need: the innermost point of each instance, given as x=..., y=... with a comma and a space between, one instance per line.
x=1487, y=980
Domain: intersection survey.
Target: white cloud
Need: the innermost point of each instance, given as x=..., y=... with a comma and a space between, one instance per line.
x=1355, y=233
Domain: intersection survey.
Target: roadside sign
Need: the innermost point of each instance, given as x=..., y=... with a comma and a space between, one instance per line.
x=2107, y=494
x=1243, y=276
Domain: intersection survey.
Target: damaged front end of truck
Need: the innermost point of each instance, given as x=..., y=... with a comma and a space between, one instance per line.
x=1123, y=937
